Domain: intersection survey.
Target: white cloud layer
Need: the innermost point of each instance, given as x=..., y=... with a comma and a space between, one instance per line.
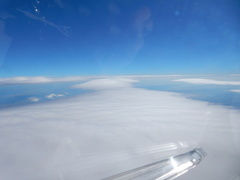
x=102, y=133
x=40, y=79
x=45, y=79
x=208, y=81
x=107, y=83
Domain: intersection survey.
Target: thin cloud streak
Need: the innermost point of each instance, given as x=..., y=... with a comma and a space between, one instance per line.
x=40, y=79
x=235, y=90
x=34, y=99
x=208, y=81
x=54, y=96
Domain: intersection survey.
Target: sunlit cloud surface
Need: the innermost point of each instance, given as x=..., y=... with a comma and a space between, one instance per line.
x=114, y=129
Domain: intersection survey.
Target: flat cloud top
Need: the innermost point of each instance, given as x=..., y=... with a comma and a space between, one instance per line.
x=45, y=79
x=107, y=83
x=110, y=81
x=208, y=81
x=39, y=79
x=102, y=133
x=24, y=79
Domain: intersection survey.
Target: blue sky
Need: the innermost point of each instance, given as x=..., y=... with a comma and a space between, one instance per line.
x=120, y=37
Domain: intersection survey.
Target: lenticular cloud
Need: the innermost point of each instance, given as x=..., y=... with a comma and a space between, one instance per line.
x=113, y=129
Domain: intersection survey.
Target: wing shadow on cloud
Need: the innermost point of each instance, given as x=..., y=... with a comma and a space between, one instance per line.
x=72, y=138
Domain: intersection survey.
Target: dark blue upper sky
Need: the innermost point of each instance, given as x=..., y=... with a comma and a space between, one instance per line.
x=111, y=37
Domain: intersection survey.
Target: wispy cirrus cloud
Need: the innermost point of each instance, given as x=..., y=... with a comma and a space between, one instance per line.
x=208, y=81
